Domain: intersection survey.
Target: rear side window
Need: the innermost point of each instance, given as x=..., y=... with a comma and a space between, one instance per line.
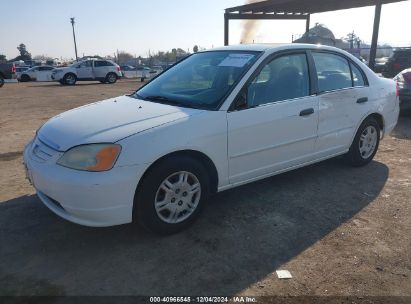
x=357, y=77
x=101, y=63
x=333, y=72
x=45, y=68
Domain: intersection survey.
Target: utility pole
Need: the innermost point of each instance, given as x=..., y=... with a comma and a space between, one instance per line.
x=74, y=36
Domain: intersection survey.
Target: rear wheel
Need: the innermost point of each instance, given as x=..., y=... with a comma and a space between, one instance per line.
x=171, y=195
x=70, y=79
x=111, y=78
x=365, y=144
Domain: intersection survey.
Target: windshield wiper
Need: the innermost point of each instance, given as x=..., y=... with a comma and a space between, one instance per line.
x=135, y=95
x=166, y=100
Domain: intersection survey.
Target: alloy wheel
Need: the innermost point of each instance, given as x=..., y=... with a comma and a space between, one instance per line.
x=368, y=141
x=177, y=197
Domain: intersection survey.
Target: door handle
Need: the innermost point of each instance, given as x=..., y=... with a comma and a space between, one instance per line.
x=307, y=112
x=362, y=99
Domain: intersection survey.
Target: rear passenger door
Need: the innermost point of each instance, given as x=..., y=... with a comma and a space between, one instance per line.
x=343, y=96
x=101, y=68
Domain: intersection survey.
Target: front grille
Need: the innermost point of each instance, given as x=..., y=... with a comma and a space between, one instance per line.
x=42, y=152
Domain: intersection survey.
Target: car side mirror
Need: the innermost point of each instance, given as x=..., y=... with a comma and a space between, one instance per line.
x=241, y=100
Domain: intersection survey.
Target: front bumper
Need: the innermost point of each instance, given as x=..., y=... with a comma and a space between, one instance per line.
x=94, y=199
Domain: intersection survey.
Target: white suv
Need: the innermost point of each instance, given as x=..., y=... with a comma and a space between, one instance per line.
x=104, y=71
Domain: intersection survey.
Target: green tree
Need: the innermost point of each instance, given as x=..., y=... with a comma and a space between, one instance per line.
x=3, y=57
x=195, y=49
x=123, y=57
x=24, y=54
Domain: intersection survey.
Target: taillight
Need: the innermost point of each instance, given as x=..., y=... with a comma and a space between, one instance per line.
x=397, y=89
x=118, y=69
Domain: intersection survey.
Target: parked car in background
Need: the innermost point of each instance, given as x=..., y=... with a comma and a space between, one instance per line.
x=105, y=71
x=140, y=72
x=37, y=73
x=380, y=64
x=6, y=70
x=22, y=68
x=128, y=71
x=144, y=72
x=399, y=61
x=404, y=87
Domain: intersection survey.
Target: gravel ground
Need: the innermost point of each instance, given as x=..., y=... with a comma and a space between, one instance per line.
x=340, y=231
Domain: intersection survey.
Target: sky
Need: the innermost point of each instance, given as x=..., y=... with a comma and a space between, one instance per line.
x=141, y=27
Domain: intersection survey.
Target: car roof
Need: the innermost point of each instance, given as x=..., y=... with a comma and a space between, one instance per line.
x=274, y=47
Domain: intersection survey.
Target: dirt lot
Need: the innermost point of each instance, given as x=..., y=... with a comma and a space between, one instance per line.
x=339, y=230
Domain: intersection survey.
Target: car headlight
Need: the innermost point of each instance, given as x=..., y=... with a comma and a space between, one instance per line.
x=93, y=157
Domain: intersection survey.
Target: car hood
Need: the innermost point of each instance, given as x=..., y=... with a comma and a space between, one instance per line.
x=108, y=121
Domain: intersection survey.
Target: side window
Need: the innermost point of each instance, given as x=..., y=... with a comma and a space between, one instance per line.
x=98, y=63
x=283, y=78
x=357, y=78
x=333, y=72
x=85, y=64
x=101, y=63
x=46, y=68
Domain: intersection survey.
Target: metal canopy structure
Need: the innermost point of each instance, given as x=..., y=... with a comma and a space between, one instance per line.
x=301, y=10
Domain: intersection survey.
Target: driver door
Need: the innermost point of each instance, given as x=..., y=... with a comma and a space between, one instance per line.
x=276, y=129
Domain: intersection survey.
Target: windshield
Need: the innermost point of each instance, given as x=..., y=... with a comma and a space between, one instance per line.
x=201, y=81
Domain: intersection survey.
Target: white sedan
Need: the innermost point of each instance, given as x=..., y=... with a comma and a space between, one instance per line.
x=216, y=120
x=37, y=73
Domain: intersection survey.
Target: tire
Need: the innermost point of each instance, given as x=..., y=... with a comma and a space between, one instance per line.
x=180, y=208
x=365, y=143
x=69, y=79
x=25, y=78
x=111, y=78
x=1, y=81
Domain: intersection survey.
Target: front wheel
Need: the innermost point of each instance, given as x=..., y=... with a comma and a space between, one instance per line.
x=365, y=144
x=171, y=195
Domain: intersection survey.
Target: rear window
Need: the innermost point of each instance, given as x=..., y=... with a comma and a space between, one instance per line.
x=357, y=77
